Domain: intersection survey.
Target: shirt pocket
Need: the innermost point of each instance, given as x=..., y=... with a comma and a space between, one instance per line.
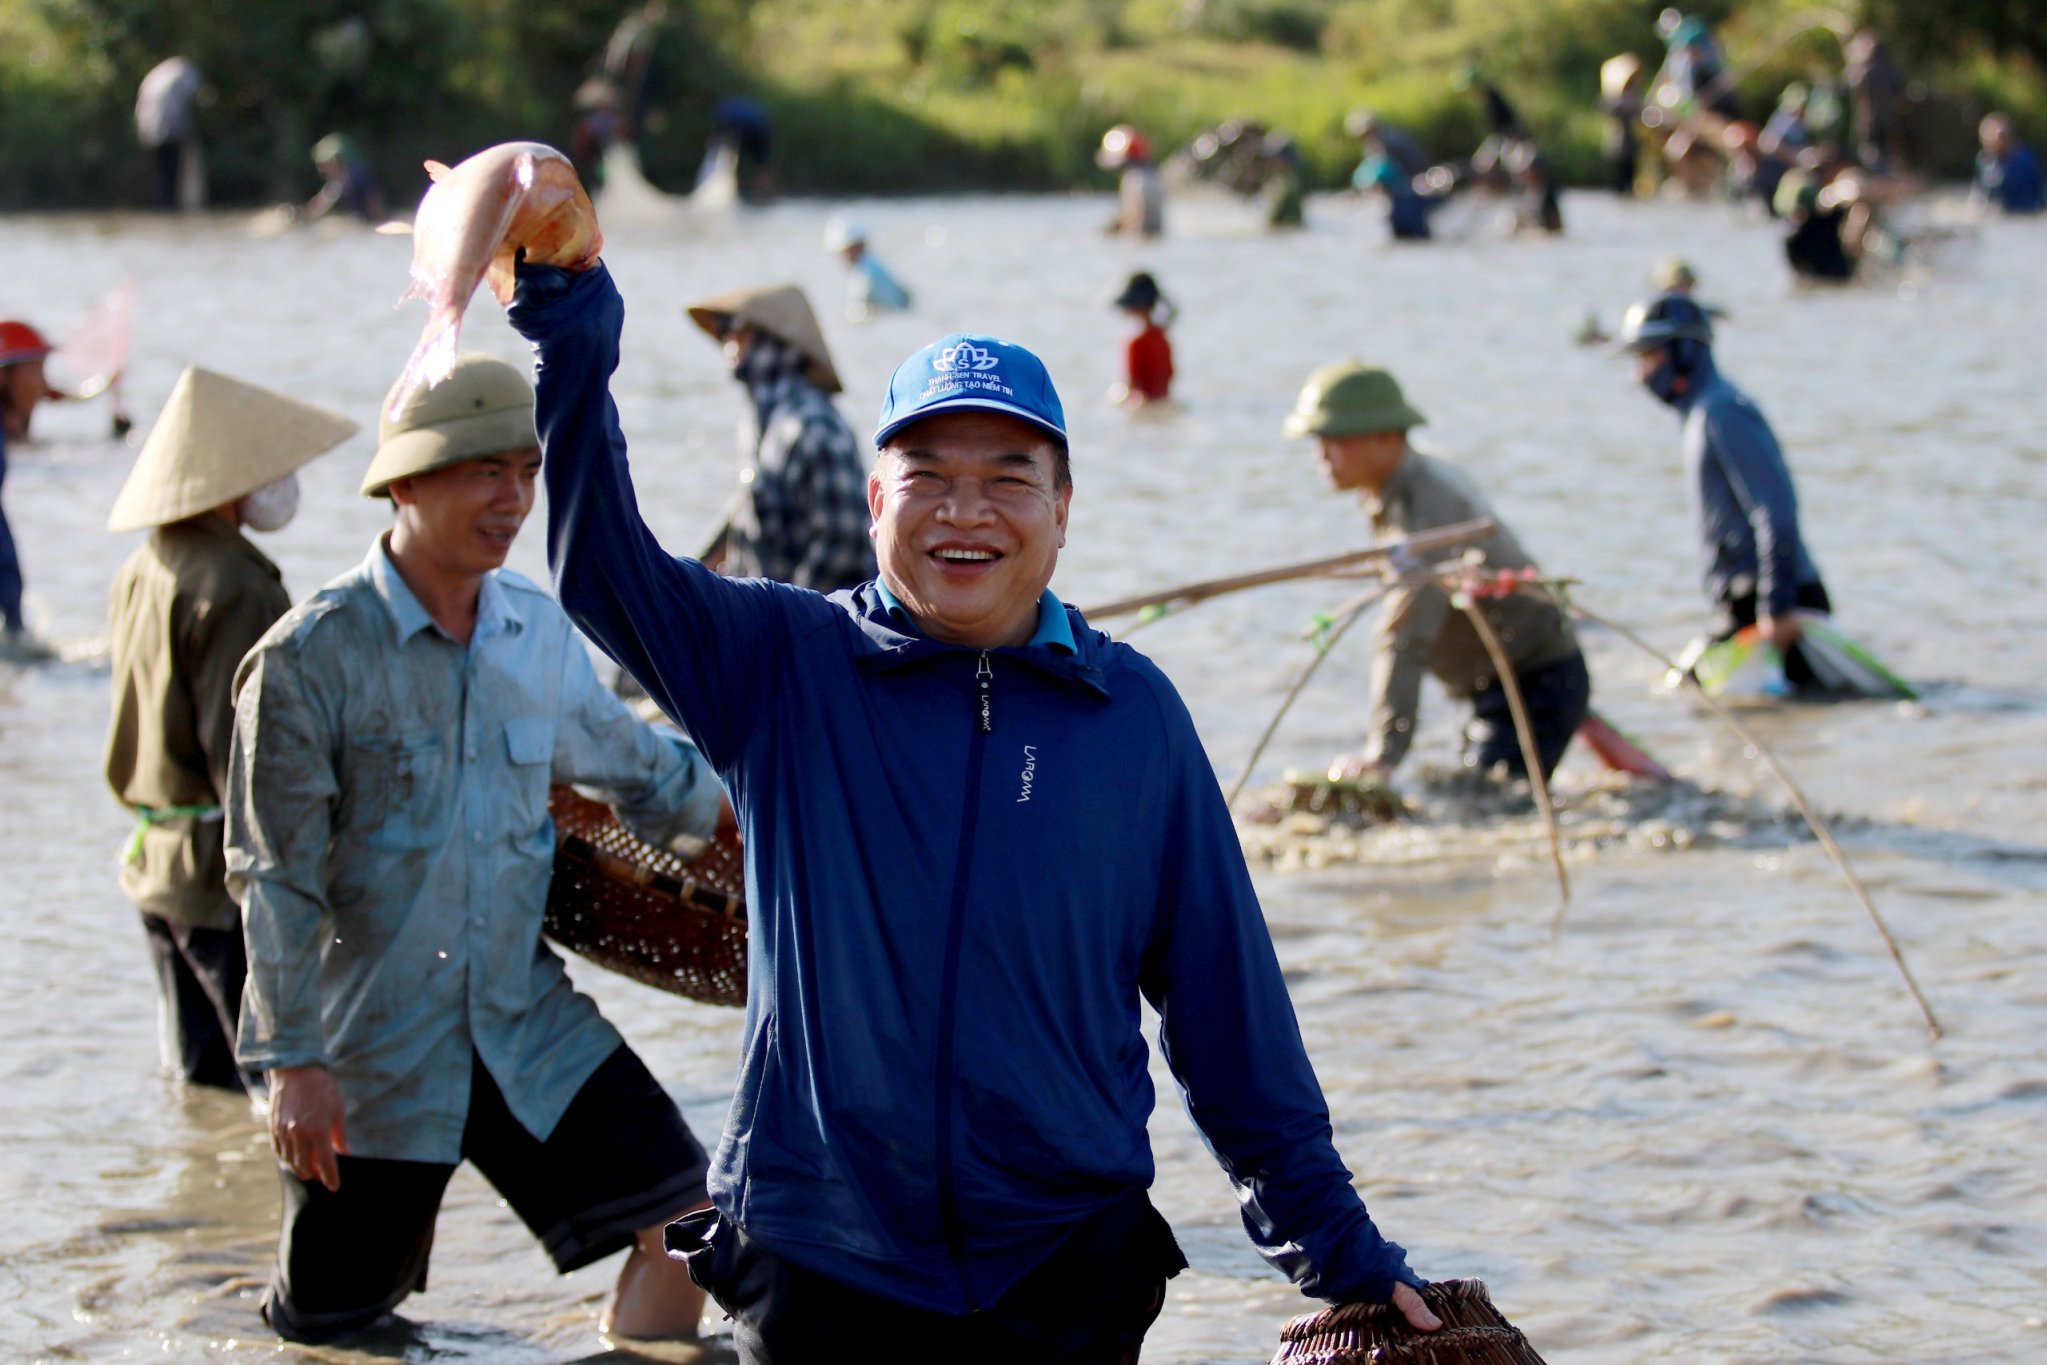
x=529, y=744
x=401, y=795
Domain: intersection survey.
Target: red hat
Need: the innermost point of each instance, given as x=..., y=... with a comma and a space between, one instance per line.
x=1122, y=145
x=20, y=342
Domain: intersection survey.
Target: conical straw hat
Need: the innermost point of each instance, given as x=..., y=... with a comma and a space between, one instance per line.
x=217, y=440
x=781, y=310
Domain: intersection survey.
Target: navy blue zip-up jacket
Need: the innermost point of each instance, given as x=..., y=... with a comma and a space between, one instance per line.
x=956, y=896
x=1742, y=498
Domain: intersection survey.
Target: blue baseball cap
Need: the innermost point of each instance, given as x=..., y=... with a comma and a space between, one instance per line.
x=965, y=371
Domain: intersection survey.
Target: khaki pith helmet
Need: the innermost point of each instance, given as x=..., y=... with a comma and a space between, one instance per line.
x=484, y=407
x=1351, y=399
x=781, y=311
x=219, y=439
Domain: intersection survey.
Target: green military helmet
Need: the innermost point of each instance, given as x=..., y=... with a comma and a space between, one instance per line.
x=484, y=407
x=1351, y=398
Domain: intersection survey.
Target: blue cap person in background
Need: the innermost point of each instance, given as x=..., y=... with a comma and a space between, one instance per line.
x=1755, y=566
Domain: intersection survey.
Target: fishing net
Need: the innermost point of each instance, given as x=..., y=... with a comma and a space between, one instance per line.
x=674, y=923
x=1473, y=1333
x=92, y=354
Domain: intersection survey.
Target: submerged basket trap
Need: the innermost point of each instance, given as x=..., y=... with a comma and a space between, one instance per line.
x=1473, y=1333
x=674, y=923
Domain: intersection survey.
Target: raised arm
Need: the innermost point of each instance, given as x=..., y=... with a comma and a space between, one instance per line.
x=702, y=646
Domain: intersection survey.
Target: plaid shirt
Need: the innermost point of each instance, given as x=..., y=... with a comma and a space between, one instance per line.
x=801, y=516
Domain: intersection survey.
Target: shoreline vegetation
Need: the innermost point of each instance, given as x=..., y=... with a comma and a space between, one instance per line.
x=918, y=96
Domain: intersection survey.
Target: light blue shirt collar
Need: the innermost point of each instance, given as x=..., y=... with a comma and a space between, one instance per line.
x=1053, y=629
x=495, y=611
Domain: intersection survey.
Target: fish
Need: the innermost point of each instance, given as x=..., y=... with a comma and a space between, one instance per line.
x=517, y=200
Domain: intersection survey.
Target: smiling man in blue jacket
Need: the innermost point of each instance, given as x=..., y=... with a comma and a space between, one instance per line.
x=977, y=832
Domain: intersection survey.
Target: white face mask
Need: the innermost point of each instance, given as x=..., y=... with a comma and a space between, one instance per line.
x=271, y=507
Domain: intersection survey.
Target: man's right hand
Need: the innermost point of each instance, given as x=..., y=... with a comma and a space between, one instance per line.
x=307, y=1123
x=1411, y=1307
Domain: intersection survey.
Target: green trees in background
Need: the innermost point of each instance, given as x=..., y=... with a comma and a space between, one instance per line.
x=409, y=79
x=881, y=95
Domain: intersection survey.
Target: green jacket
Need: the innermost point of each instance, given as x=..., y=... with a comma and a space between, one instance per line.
x=185, y=608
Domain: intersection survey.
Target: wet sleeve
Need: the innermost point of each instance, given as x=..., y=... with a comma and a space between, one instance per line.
x=215, y=635
x=1227, y=1030
x=662, y=788
x=1761, y=482
x=1403, y=639
x=281, y=790
x=707, y=649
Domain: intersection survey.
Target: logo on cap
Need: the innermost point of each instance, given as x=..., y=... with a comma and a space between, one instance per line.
x=963, y=355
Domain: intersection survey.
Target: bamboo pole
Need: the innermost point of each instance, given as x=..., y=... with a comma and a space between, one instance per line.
x=1812, y=819
x=1531, y=756
x=1340, y=621
x=1440, y=538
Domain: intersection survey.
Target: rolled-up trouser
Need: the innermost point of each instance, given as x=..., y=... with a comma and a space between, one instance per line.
x=199, y=976
x=1555, y=695
x=1089, y=1303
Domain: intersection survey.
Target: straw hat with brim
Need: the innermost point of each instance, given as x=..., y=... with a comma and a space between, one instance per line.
x=484, y=407
x=218, y=440
x=781, y=311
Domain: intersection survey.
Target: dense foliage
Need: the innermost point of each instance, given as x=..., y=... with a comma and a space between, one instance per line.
x=880, y=95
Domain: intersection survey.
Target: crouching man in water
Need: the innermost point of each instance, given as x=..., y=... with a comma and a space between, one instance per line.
x=388, y=835
x=1753, y=561
x=1360, y=421
x=977, y=831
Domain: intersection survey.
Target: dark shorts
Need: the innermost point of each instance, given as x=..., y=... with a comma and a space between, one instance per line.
x=620, y=1160
x=1089, y=1303
x=1556, y=697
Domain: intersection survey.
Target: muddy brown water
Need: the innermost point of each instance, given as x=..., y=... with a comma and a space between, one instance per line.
x=1702, y=1123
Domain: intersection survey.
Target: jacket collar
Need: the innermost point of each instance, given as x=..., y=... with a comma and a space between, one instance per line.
x=1062, y=646
x=208, y=526
x=1705, y=376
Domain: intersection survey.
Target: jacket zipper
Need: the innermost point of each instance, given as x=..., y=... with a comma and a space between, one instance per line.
x=948, y=994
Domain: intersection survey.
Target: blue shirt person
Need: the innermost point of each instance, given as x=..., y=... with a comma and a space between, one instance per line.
x=1754, y=564
x=978, y=832
x=2007, y=172
x=389, y=840
x=870, y=288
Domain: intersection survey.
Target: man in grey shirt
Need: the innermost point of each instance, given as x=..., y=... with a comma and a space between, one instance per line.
x=1360, y=420
x=388, y=838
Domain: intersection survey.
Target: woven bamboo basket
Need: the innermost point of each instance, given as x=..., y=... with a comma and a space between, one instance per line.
x=677, y=924
x=1473, y=1333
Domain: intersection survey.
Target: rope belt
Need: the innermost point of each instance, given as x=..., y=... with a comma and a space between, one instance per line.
x=147, y=816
